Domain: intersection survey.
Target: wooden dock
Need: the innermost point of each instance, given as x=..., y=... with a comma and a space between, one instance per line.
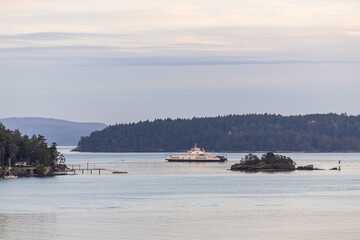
x=76, y=169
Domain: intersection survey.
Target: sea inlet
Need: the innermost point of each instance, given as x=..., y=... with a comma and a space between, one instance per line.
x=162, y=200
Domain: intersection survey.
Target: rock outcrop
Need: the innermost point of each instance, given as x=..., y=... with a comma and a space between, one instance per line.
x=308, y=168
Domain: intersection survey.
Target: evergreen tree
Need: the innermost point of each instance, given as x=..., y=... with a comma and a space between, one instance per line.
x=33, y=150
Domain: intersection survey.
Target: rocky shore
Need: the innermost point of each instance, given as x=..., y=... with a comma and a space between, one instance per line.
x=263, y=167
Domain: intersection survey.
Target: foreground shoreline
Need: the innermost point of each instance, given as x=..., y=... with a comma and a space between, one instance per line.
x=38, y=171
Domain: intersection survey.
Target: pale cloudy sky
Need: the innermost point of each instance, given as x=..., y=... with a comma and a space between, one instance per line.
x=119, y=61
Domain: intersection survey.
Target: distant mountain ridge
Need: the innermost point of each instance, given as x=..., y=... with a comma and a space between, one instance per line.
x=63, y=132
x=233, y=133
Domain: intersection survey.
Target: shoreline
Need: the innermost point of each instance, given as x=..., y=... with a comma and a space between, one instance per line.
x=243, y=151
x=32, y=171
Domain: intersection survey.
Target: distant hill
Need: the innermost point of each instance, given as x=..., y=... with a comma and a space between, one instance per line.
x=62, y=132
x=246, y=133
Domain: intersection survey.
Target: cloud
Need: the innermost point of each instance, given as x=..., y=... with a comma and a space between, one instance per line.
x=49, y=36
x=54, y=48
x=87, y=48
x=352, y=33
x=183, y=61
x=124, y=17
x=96, y=56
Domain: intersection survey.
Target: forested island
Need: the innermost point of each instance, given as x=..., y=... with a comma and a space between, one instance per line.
x=28, y=155
x=232, y=133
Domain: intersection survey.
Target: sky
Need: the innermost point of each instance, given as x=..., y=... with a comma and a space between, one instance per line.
x=117, y=61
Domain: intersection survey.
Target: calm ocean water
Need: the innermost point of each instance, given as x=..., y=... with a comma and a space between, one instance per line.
x=161, y=200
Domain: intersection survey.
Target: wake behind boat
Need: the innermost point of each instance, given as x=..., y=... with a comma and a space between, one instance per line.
x=196, y=155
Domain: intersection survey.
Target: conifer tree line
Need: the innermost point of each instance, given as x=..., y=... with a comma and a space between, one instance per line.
x=32, y=150
x=247, y=133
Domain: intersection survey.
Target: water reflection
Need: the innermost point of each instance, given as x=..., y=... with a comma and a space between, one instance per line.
x=28, y=226
x=270, y=221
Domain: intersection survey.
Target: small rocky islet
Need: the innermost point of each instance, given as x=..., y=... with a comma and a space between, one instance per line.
x=269, y=162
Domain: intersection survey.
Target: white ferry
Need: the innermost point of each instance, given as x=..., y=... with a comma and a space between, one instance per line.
x=196, y=155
